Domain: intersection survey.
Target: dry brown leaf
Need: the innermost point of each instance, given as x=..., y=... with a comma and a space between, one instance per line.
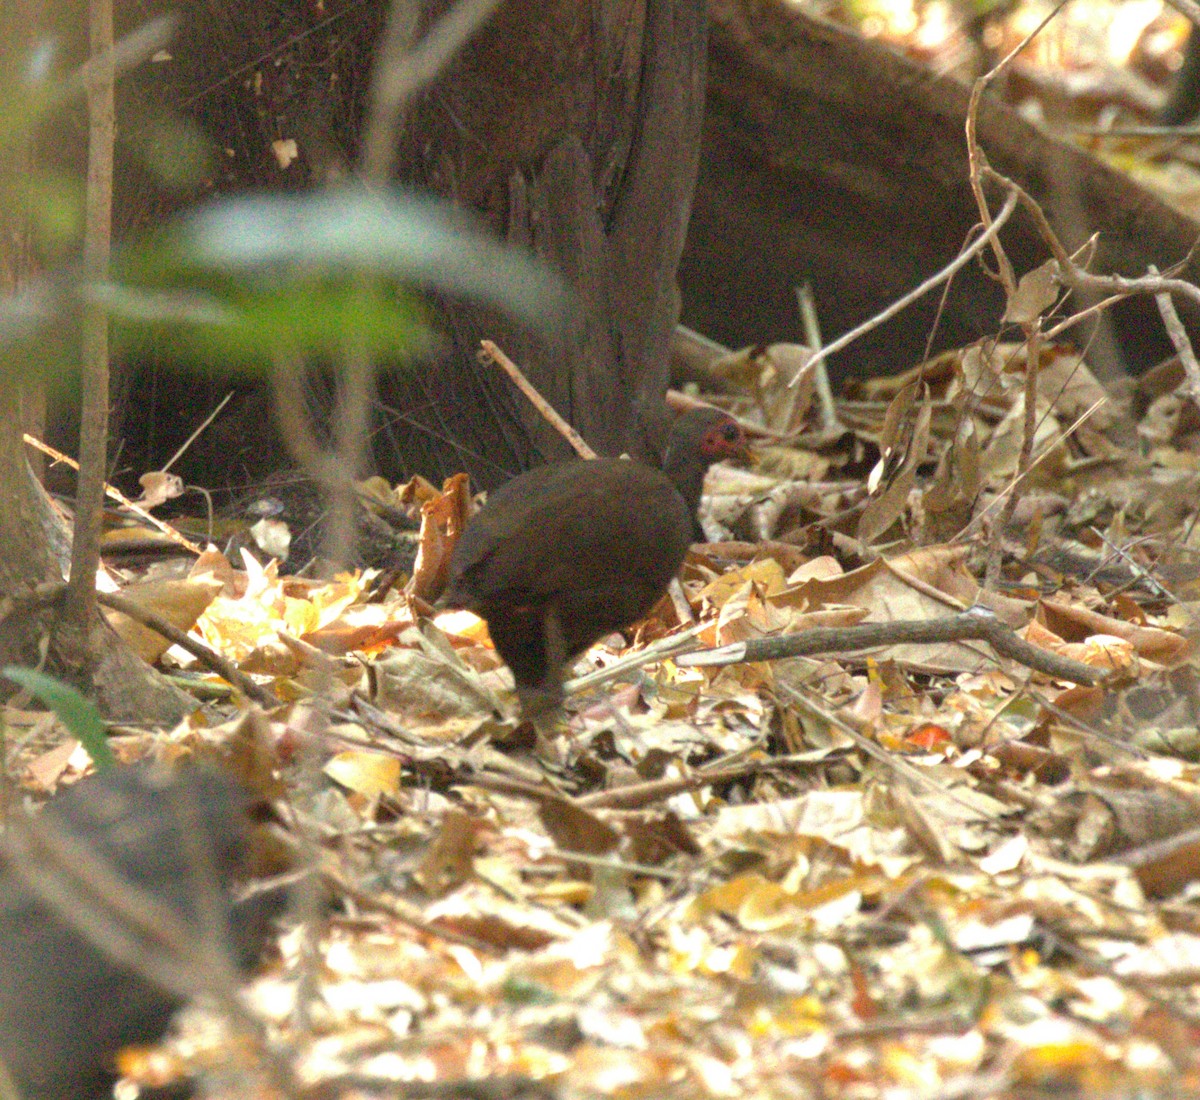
x=887, y=595
x=450, y=860
x=888, y=505
x=442, y=521
x=1036, y=292
x=575, y=829
x=1075, y=623
x=158, y=487
x=178, y=602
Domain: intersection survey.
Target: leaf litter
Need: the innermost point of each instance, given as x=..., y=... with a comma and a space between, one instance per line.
x=917, y=870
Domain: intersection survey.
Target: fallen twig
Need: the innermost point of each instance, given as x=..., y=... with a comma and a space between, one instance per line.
x=117, y=495
x=493, y=354
x=206, y=656
x=1179, y=337
x=977, y=624
x=918, y=777
x=401, y=912
x=656, y=651
x=639, y=795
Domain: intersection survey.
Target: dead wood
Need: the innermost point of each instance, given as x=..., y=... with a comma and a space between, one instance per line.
x=831, y=159
x=970, y=625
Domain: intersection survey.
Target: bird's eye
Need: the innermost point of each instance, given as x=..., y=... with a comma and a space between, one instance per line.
x=731, y=433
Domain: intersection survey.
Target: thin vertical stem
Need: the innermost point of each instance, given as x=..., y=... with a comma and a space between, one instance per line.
x=93, y=432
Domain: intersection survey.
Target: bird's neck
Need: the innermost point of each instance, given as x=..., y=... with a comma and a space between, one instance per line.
x=687, y=475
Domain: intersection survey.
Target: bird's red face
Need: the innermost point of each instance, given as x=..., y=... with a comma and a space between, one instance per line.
x=725, y=440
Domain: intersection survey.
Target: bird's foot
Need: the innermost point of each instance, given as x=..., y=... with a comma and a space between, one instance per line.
x=541, y=708
x=539, y=700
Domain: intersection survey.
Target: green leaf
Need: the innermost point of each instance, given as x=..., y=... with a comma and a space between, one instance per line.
x=415, y=241
x=243, y=281
x=72, y=710
x=248, y=326
x=524, y=991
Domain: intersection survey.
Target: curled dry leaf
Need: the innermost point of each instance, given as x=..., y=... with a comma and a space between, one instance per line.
x=422, y=679
x=158, y=487
x=1036, y=292
x=1075, y=623
x=888, y=505
x=442, y=521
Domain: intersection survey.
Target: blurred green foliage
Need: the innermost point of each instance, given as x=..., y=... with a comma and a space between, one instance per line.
x=77, y=714
x=242, y=281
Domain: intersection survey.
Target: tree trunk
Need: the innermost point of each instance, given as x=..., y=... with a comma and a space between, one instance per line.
x=569, y=127
x=32, y=543
x=574, y=129
x=829, y=158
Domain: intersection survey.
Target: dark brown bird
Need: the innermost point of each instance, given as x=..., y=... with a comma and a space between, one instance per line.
x=564, y=554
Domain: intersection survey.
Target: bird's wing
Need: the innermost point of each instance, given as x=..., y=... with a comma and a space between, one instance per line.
x=571, y=526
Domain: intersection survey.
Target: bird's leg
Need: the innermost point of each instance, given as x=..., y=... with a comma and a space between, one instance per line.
x=555, y=651
x=541, y=705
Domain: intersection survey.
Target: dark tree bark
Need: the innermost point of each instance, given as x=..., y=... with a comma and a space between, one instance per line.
x=574, y=129
x=571, y=128
x=831, y=159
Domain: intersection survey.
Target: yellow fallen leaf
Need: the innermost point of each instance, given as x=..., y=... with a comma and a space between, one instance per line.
x=370, y=774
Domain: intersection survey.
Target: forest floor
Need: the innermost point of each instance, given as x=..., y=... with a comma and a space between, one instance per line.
x=956, y=863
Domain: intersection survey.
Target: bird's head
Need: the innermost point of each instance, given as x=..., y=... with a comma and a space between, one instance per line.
x=700, y=437
x=723, y=440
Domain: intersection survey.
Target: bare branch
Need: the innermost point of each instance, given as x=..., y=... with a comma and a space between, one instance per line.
x=919, y=291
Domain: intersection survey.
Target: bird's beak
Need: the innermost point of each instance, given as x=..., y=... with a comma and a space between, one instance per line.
x=742, y=455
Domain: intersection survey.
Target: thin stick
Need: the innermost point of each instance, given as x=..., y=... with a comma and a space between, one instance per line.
x=679, y=601
x=976, y=624
x=402, y=912
x=919, y=291
x=978, y=165
x=489, y=351
x=917, y=776
x=656, y=651
x=1093, y=310
x=812, y=337
x=1179, y=337
x=227, y=670
x=1033, y=363
x=635, y=796
x=124, y=55
x=80, y=605
x=192, y=438
x=402, y=68
x=118, y=496
x=1076, y=277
